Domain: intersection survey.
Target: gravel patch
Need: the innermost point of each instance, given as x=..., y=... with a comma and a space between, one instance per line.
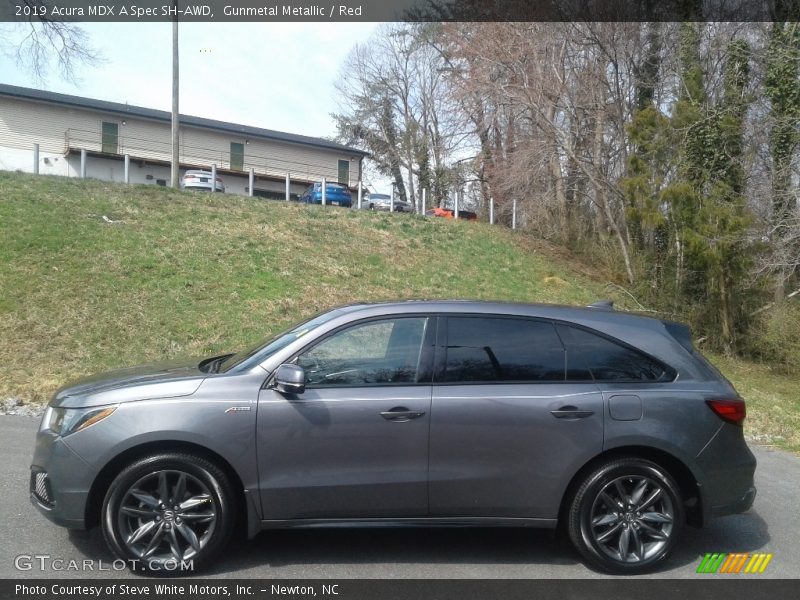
x=764, y=438
x=15, y=406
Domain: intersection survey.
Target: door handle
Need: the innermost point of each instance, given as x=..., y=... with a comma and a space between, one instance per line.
x=571, y=412
x=401, y=414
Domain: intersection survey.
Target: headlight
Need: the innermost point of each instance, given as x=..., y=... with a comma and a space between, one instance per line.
x=63, y=421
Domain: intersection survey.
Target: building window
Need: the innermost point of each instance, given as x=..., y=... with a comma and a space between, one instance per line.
x=237, y=156
x=110, y=140
x=344, y=172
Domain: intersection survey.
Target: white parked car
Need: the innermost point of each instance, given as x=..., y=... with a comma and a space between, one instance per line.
x=200, y=180
x=384, y=202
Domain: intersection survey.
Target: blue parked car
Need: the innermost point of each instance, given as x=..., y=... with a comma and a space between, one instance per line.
x=336, y=194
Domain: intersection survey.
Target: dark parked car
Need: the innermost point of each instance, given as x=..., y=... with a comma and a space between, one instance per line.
x=336, y=194
x=411, y=413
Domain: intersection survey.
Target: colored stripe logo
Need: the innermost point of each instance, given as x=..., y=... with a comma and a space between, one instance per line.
x=735, y=562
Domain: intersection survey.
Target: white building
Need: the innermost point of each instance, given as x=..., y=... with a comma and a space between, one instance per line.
x=63, y=125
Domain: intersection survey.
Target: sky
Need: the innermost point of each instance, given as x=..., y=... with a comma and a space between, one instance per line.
x=272, y=75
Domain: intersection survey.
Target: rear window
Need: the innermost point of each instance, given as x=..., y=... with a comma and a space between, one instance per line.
x=593, y=356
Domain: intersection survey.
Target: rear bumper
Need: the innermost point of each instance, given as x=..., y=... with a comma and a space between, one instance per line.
x=741, y=505
x=203, y=187
x=728, y=468
x=347, y=203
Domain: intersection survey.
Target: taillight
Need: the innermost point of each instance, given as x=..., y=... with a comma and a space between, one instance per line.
x=732, y=411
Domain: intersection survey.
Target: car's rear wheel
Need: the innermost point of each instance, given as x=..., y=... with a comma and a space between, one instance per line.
x=626, y=515
x=168, y=513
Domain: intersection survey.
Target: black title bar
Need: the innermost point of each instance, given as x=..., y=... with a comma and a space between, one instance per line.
x=711, y=588
x=398, y=10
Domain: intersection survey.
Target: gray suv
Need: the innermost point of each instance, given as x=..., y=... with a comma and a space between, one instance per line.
x=411, y=413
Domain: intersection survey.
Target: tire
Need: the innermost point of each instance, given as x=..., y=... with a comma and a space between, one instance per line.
x=169, y=538
x=626, y=516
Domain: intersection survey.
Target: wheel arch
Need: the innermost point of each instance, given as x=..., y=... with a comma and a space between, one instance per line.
x=683, y=475
x=114, y=466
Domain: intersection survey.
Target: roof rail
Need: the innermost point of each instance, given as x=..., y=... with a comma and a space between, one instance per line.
x=602, y=305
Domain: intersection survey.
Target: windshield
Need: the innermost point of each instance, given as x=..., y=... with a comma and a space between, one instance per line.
x=263, y=349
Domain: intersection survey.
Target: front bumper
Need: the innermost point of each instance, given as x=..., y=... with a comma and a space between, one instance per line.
x=60, y=481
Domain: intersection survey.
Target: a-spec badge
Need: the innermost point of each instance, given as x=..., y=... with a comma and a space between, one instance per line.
x=234, y=409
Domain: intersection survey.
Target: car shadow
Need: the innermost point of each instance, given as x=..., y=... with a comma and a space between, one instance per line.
x=502, y=546
x=746, y=532
x=362, y=546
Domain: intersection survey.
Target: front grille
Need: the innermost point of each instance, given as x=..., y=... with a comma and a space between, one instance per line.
x=40, y=488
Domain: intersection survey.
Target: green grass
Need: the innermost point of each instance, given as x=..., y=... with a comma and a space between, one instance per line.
x=191, y=274
x=773, y=400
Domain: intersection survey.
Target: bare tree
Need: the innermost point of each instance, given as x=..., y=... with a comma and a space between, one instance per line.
x=396, y=105
x=42, y=42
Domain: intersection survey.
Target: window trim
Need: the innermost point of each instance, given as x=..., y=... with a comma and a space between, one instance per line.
x=670, y=373
x=440, y=357
x=425, y=361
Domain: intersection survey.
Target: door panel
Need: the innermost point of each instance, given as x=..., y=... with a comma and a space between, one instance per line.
x=496, y=450
x=331, y=454
x=508, y=431
x=355, y=443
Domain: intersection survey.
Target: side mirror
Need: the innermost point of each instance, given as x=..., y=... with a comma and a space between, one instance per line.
x=290, y=379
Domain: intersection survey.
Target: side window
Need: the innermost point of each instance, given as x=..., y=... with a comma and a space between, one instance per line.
x=484, y=349
x=593, y=356
x=372, y=353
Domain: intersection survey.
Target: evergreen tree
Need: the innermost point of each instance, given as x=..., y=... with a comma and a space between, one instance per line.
x=706, y=199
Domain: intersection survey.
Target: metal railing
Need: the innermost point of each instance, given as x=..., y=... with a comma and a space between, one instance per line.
x=137, y=148
x=191, y=155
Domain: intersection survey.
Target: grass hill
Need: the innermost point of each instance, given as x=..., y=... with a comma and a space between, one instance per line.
x=96, y=275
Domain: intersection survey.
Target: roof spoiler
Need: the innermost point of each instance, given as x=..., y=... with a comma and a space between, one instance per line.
x=602, y=305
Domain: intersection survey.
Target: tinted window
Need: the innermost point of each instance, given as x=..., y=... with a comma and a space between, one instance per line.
x=498, y=349
x=375, y=352
x=590, y=355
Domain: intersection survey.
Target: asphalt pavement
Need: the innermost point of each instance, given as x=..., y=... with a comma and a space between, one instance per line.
x=772, y=525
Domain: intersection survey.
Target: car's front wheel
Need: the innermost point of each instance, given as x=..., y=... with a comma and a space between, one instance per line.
x=626, y=516
x=168, y=513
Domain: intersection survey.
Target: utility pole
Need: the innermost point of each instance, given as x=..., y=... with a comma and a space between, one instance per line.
x=175, y=119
